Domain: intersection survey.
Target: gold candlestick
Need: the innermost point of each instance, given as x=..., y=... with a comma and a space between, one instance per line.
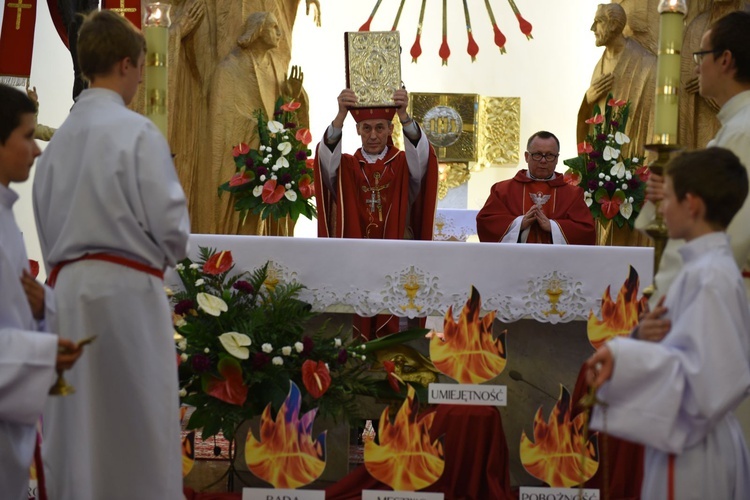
x=61, y=386
x=671, y=20
x=156, y=30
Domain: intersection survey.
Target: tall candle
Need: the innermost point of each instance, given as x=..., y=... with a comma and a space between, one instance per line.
x=671, y=20
x=156, y=32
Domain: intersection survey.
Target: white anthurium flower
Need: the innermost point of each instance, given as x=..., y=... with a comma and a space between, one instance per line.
x=275, y=127
x=258, y=190
x=285, y=147
x=626, y=209
x=610, y=153
x=290, y=195
x=236, y=344
x=282, y=162
x=587, y=198
x=211, y=304
x=621, y=138
x=618, y=170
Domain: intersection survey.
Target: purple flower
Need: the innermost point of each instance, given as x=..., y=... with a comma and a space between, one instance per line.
x=286, y=178
x=289, y=125
x=307, y=345
x=277, y=112
x=593, y=184
x=261, y=171
x=183, y=306
x=301, y=155
x=615, y=124
x=243, y=286
x=249, y=162
x=601, y=137
x=591, y=166
x=634, y=183
x=201, y=363
x=260, y=359
x=609, y=186
x=595, y=154
x=342, y=357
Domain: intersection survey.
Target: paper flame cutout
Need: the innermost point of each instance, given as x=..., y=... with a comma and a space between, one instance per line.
x=405, y=459
x=620, y=317
x=555, y=456
x=469, y=354
x=286, y=455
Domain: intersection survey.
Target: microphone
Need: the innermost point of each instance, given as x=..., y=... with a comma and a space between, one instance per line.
x=519, y=378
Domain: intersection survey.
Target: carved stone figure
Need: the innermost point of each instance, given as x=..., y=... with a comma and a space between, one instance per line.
x=202, y=35
x=698, y=123
x=248, y=79
x=626, y=70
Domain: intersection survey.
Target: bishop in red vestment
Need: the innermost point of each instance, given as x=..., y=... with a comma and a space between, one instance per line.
x=537, y=205
x=380, y=191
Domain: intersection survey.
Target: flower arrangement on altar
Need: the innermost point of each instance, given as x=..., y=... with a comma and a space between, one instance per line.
x=614, y=186
x=276, y=180
x=243, y=337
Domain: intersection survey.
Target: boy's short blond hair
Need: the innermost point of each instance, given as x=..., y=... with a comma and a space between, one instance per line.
x=106, y=38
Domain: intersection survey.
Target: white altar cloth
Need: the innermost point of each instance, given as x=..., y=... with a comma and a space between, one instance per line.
x=424, y=278
x=452, y=224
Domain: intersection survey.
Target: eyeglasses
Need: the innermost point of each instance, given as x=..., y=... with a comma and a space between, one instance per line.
x=539, y=156
x=698, y=56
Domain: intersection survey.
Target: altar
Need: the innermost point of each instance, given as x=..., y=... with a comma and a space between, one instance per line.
x=542, y=295
x=546, y=283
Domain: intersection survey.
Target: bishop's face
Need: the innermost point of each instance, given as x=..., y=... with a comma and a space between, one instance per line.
x=374, y=134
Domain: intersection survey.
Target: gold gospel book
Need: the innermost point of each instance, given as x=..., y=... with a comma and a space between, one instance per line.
x=373, y=66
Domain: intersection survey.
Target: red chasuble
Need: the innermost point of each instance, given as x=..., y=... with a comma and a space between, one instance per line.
x=371, y=200
x=560, y=202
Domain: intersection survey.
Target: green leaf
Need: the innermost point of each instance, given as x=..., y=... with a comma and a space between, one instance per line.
x=395, y=339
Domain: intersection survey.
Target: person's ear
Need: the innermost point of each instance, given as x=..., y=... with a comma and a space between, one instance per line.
x=696, y=206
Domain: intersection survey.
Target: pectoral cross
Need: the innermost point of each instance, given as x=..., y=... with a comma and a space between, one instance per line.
x=375, y=200
x=19, y=6
x=122, y=9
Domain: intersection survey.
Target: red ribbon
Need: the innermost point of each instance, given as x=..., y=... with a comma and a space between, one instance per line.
x=130, y=9
x=17, y=41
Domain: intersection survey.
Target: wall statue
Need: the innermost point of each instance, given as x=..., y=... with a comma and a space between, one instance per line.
x=626, y=70
x=202, y=36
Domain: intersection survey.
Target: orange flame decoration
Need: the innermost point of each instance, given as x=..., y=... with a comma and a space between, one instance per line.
x=555, y=456
x=286, y=455
x=405, y=459
x=468, y=353
x=618, y=318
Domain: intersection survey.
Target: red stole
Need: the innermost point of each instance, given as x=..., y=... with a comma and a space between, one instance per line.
x=537, y=192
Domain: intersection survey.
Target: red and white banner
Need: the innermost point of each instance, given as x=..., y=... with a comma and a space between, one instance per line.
x=17, y=41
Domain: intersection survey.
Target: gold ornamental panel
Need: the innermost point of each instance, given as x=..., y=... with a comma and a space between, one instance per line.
x=499, y=131
x=373, y=66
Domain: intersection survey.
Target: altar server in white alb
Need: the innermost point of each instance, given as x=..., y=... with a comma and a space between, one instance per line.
x=111, y=215
x=677, y=396
x=28, y=355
